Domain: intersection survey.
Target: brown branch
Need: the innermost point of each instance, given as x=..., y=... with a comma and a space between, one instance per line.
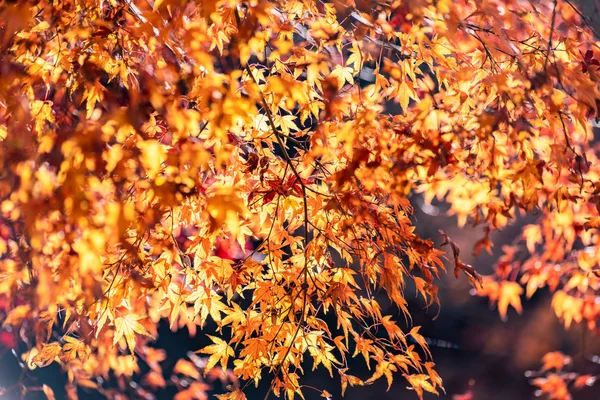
x=552, y=22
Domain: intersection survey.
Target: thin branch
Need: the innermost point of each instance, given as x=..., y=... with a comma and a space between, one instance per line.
x=551, y=34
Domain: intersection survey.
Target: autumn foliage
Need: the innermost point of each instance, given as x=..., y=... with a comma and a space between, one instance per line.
x=250, y=164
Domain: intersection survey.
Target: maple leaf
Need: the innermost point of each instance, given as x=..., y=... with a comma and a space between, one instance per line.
x=196, y=391
x=355, y=58
x=74, y=348
x=225, y=207
x=17, y=315
x=48, y=354
x=509, y=294
x=584, y=380
x=420, y=383
x=343, y=75
x=153, y=155
x=592, y=223
x=286, y=123
x=349, y=380
x=405, y=93
x=42, y=110
x=555, y=360
x=554, y=386
x=419, y=339
x=533, y=236
x=235, y=395
x=219, y=352
x=93, y=94
x=127, y=326
x=186, y=368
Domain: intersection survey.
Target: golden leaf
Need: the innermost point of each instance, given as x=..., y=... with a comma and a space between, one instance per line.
x=127, y=326
x=152, y=157
x=226, y=207
x=510, y=294
x=219, y=352
x=186, y=368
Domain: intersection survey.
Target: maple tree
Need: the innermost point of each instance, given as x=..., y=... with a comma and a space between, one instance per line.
x=249, y=164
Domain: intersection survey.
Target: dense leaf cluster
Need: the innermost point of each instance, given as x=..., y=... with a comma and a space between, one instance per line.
x=141, y=138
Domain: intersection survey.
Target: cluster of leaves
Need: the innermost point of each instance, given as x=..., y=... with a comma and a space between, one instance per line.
x=139, y=136
x=552, y=380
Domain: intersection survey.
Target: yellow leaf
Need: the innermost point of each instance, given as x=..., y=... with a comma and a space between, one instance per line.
x=235, y=395
x=383, y=368
x=128, y=326
x=92, y=95
x=419, y=383
x=47, y=355
x=42, y=112
x=349, y=380
x=74, y=348
x=187, y=368
x=343, y=75
x=153, y=155
x=16, y=316
x=510, y=294
x=220, y=351
x=404, y=96
x=355, y=58
x=286, y=123
x=414, y=333
x=224, y=208
x=112, y=156
x=533, y=236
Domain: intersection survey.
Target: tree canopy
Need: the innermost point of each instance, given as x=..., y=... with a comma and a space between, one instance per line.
x=251, y=164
